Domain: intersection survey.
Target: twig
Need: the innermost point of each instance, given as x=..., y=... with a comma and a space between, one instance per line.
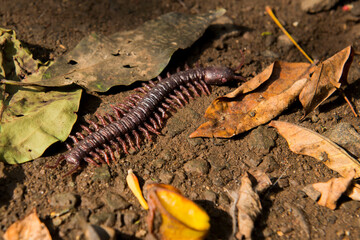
x=273, y=17
x=348, y=102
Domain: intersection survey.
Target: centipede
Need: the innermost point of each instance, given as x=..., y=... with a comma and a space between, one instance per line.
x=143, y=113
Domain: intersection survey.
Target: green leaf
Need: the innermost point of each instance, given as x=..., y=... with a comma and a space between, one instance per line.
x=31, y=119
x=34, y=120
x=97, y=63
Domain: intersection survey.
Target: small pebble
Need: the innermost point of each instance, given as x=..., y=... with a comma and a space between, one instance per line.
x=262, y=139
x=199, y=166
x=166, y=177
x=195, y=141
x=223, y=200
x=106, y=218
x=140, y=233
x=18, y=192
x=63, y=201
x=130, y=218
x=270, y=54
x=332, y=219
x=102, y=174
x=115, y=202
x=159, y=162
x=268, y=232
x=218, y=181
x=209, y=195
x=269, y=40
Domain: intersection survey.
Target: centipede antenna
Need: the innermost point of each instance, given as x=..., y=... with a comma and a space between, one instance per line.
x=242, y=61
x=240, y=78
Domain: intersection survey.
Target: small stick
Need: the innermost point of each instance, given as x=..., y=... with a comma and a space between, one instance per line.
x=273, y=17
x=348, y=102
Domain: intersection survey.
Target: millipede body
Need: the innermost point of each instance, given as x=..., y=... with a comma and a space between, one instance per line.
x=143, y=114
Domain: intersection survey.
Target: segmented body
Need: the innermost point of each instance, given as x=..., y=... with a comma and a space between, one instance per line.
x=141, y=114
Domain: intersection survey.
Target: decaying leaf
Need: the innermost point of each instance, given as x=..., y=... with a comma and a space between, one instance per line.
x=332, y=190
x=249, y=207
x=180, y=217
x=16, y=61
x=30, y=228
x=306, y=142
x=98, y=62
x=32, y=119
x=328, y=76
x=263, y=181
x=256, y=101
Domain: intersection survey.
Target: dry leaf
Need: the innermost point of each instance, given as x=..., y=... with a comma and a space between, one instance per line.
x=353, y=191
x=256, y=101
x=249, y=207
x=99, y=62
x=263, y=181
x=332, y=190
x=29, y=228
x=180, y=217
x=328, y=76
x=306, y=142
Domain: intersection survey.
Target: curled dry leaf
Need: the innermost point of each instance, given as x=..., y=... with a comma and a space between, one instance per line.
x=306, y=142
x=180, y=217
x=256, y=101
x=249, y=207
x=99, y=62
x=30, y=228
x=332, y=190
x=328, y=76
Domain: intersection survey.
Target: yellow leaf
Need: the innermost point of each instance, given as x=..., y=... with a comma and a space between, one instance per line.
x=180, y=217
x=134, y=186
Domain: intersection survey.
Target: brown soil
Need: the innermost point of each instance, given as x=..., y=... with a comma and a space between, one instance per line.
x=52, y=28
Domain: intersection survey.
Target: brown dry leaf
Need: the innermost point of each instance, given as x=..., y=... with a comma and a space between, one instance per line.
x=263, y=181
x=249, y=207
x=306, y=142
x=30, y=228
x=328, y=76
x=256, y=101
x=353, y=191
x=332, y=190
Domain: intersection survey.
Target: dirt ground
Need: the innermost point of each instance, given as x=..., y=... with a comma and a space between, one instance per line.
x=53, y=27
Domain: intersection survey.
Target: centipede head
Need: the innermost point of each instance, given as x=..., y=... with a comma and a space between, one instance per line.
x=223, y=75
x=220, y=75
